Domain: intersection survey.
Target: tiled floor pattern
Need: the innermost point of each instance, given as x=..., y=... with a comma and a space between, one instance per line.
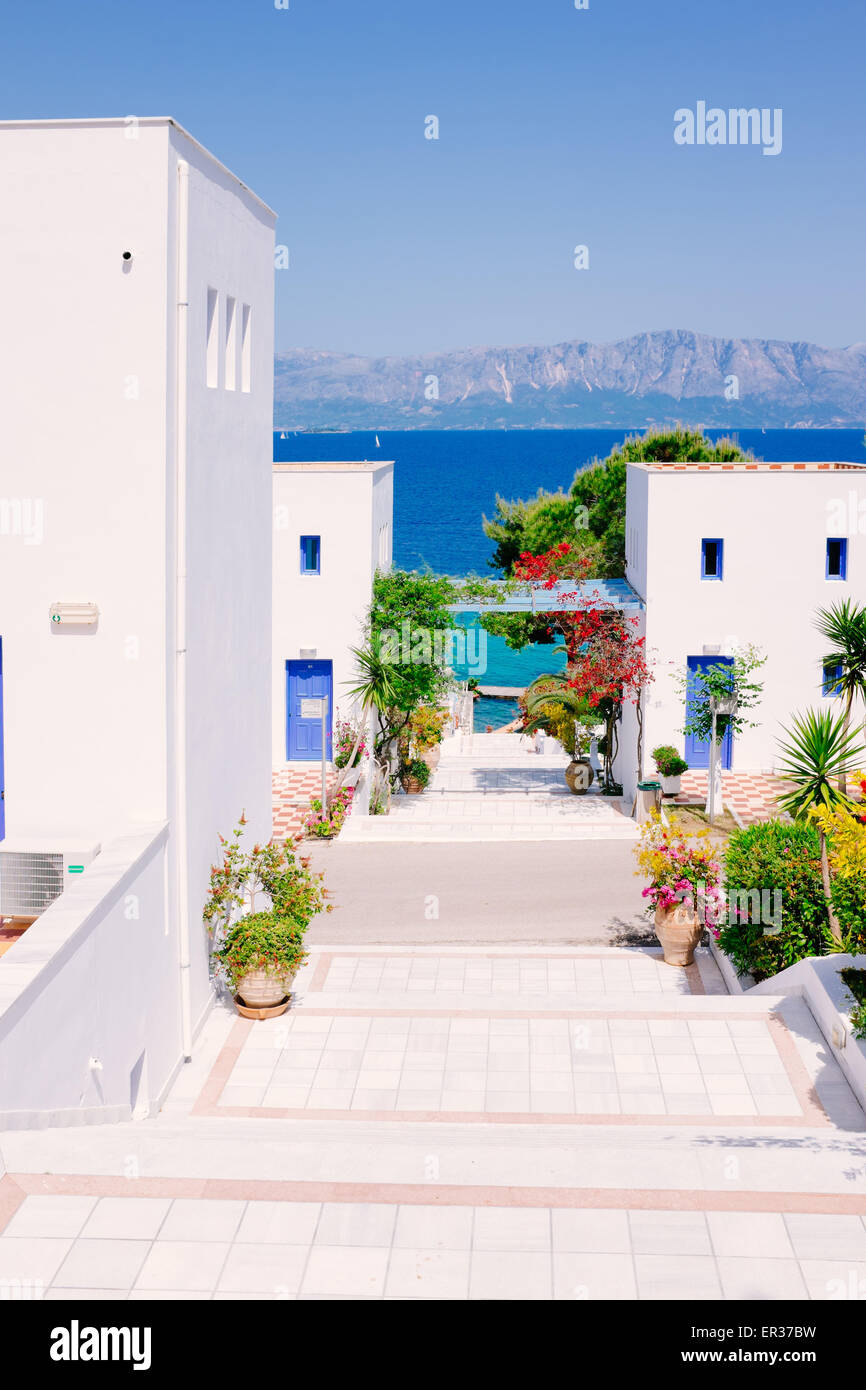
x=752, y=796
x=141, y=1248
x=498, y=975
x=479, y=1068
x=293, y=789
x=712, y=1173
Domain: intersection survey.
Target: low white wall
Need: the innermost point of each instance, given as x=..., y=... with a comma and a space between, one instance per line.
x=95, y=978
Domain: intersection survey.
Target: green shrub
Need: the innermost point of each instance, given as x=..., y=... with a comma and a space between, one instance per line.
x=856, y=983
x=781, y=857
x=849, y=900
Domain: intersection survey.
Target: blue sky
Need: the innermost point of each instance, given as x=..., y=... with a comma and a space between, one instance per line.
x=556, y=129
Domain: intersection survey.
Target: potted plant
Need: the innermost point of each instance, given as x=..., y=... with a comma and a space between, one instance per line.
x=550, y=706
x=684, y=885
x=258, y=959
x=426, y=726
x=414, y=776
x=257, y=950
x=670, y=767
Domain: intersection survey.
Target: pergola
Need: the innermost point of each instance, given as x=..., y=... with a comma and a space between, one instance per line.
x=563, y=597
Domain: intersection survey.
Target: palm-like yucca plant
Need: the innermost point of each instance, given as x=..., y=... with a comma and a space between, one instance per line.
x=376, y=688
x=820, y=750
x=554, y=689
x=843, y=626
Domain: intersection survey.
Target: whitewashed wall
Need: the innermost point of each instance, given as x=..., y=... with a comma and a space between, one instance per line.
x=89, y=998
x=229, y=462
x=83, y=365
x=89, y=361
x=347, y=505
x=775, y=525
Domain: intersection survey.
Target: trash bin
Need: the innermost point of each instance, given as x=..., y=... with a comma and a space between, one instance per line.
x=649, y=798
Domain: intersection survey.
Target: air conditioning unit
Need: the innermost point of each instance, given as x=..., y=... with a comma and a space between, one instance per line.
x=35, y=872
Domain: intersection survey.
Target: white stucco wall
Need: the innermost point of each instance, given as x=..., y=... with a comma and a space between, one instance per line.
x=89, y=1006
x=775, y=524
x=89, y=360
x=83, y=365
x=229, y=459
x=346, y=504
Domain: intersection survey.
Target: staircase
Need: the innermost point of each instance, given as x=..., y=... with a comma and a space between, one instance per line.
x=491, y=787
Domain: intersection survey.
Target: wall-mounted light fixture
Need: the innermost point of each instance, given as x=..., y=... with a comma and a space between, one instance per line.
x=74, y=614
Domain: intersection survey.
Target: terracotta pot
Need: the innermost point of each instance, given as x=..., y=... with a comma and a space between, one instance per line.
x=412, y=786
x=579, y=776
x=432, y=756
x=260, y=990
x=679, y=930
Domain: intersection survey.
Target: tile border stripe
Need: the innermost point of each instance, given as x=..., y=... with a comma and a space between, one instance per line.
x=15, y=1187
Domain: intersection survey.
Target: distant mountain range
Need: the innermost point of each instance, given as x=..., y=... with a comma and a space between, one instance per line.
x=651, y=378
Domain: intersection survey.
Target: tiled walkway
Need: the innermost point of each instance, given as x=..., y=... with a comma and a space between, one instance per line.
x=141, y=1248
x=427, y=1123
x=293, y=789
x=752, y=796
x=493, y=787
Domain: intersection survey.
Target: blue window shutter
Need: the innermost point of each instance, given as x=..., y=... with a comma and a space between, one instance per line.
x=832, y=674
x=311, y=554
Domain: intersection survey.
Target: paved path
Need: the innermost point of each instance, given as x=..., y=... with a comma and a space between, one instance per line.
x=488, y=1122
x=491, y=787
x=559, y=892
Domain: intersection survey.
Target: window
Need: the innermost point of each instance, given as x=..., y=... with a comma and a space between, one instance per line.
x=246, y=348
x=212, y=353
x=712, y=556
x=231, y=344
x=311, y=555
x=832, y=675
x=837, y=558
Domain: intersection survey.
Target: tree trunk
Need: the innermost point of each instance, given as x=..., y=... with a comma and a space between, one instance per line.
x=842, y=780
x=835, y=929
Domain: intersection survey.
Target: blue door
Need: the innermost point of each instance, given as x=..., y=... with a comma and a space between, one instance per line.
x=697, y=753
x=307, y=680
x=2, y=773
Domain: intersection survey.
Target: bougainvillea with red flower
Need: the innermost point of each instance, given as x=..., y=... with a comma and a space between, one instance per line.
x=606, y=654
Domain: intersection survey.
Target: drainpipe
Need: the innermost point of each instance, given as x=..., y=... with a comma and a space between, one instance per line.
x=180, y=672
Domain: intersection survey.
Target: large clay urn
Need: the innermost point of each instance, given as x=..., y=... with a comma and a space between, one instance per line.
x=679, y=930
x=579, y=776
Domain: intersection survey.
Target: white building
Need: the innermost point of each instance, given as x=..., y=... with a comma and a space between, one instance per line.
x=137, y=366
x=333, y=528
x=726, y=555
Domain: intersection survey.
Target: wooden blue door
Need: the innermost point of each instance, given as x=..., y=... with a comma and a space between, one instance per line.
x=2, y=772
x=697, y=751
x=307, y=680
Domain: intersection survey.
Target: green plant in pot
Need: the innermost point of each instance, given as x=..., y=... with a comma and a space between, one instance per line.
x=257, y=912
x=414, y=776
x=259, y=958
x=670, y=767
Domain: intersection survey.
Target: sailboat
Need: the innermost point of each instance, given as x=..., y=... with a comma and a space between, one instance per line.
x=378, y=445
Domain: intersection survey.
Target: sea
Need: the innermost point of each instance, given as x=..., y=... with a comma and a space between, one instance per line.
x=446, y=481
